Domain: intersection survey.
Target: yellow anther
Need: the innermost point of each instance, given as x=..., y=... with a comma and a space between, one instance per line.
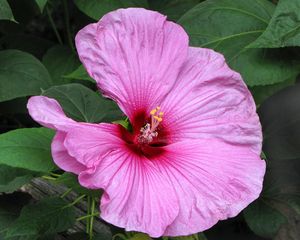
x=161, y=114
x=157, y=118
x=153, y=111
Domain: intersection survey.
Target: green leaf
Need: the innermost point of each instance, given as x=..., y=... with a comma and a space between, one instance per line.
x=21, y=74
x=27, y=43
x=5, y=11
x=279, y=205
x=174, y=9
x=59, y=61
x=263, y=219
x=27, y=148
x=12, y=179
x=70, y=180
x=97, y=8
x=229, y=26
x=41, y=4
x=261, y=93
x=50, y=215
x=10, y=207
x=82, y=104
x=80, y=74
x=284, y=27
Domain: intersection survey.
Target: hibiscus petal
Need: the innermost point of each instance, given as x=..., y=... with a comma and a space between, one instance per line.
x=134, y=55
x=213, y=181
x=187, y=189
x=210, y=100
x=47, y=112
x=138, y=196
x=61, y=156
x=89, y=144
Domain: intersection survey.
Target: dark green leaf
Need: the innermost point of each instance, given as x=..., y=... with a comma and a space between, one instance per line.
x=70, y=180
x=79, y=74
x=82, y=104
x=174, y=9
x=229, y=26
x=28, y=43
x=21, y=74
x=284, y=27
x=10, y=207
x=50, y=215
x=12, y=179
x=97, y=8
x=41, y=4
x=261, y=93
x=264, y=219
x=279, y=206
x=27, y=148
x=5, y=11
x=59, y=61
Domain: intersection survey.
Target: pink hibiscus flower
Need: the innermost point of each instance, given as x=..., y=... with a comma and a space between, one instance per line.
x=193, y=156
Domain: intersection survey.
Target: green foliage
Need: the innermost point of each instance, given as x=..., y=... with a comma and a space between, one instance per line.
x=97, y=8
x=59, y=61
x=41, y=4
x=27, y=148
x=284, y=27
x=229, y=26
x=80, y=74
x=5, y=11
x=21, y=74
x=174, y=9
x=279, y=206
x=11, y=178
x=10, y=207
x=82, y=104
x=50, y=215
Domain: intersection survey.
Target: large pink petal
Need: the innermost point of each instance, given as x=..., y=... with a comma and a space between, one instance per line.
x=47, y=112
x=71, y=135
x=138, y=196
x=213, y=180
x=61, y=156
x=89, y=144
x=134, y=55
x=210, y=100
x=186, y=189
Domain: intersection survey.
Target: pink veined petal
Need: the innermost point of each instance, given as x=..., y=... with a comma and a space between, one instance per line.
x=187, y=189
x=89, y=144
x=138, y=196
x=61, y=156
x=134, y=55
x=47, y=112
x=210, y=100
x=213, y=181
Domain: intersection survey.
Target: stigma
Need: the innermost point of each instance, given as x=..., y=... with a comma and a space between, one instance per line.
x=149, y=131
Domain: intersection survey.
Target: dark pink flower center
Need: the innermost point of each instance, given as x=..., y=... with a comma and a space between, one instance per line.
x=148, y=134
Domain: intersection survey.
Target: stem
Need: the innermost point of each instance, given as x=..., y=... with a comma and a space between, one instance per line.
x=67, y=23
x=92, y=218
x=87, y=216
x=55, y=174
x=48, y=177
x=53, y=26
x=75, y=201
x=66, y=193
x=88, y=213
